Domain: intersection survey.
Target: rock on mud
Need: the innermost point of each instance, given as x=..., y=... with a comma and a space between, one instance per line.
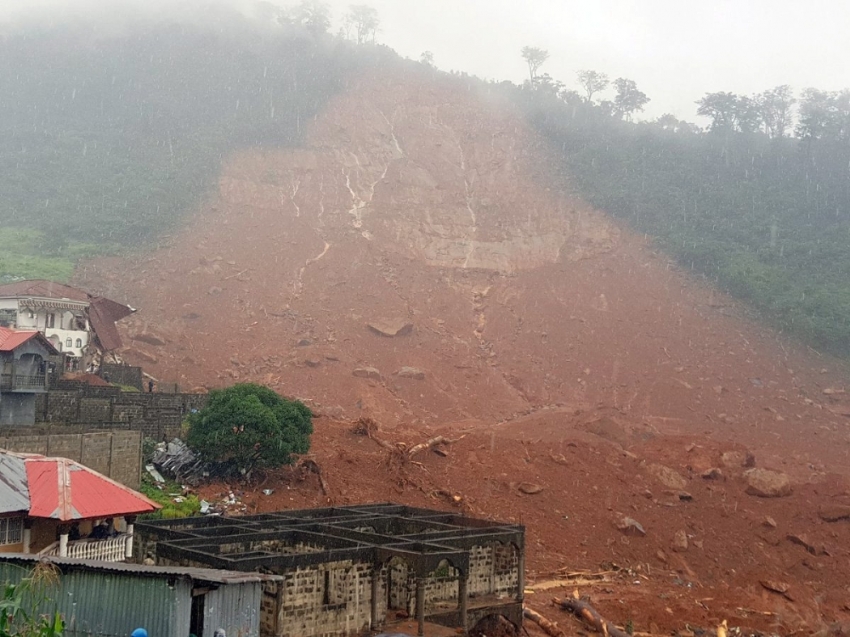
x=764, y=483
x=670, y=478
x=680, y=542
x=390, y=327
x=367, y=372
x=411, y=372
x=834, y=512
x=630, y=526
x=737, y=459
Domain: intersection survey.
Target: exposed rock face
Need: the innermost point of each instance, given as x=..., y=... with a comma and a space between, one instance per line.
x=768, y=484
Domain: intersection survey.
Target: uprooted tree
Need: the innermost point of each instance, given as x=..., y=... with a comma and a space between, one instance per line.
x=248, y=426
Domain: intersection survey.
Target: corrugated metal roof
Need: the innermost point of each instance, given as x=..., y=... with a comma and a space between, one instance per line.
x=10, y=339
x=14, y=495
x=103, y=315
x=97, y=602
x=204, y=575
x=66, y=490
x=44, y=289
x=63, y=489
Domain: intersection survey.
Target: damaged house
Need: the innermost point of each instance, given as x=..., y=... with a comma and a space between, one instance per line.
x=344, y=570
x=78, y=324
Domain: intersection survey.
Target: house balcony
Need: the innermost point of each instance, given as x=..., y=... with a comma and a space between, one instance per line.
x=23, y=382
x=111, y=549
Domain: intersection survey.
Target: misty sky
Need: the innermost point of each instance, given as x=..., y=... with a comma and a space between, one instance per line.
x=675, y=50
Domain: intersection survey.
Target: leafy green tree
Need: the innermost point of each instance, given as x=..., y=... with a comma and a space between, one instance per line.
x=427, y=58
x=776, y=109
x=363, y=22
x=747, y=115
x=722, y=108
x=534, y=57
x=629, y=99
x=312, y=15
x=248, y=426
x=592, y=82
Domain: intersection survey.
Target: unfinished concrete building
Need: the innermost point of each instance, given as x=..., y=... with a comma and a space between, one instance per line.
x=347, y=570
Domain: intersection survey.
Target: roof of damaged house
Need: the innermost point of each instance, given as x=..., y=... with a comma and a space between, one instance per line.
x=10, y=339
x=43, y=289
x=103, y=312
x=62, y=489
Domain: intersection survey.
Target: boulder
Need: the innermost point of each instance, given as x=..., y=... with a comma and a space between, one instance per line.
x=411, y=372
x=530, y=488
x=670, y=478
x=367, y=372
x=680, y=542
x=834, y=512
x=737, y=459
x=390, y=327
x=764, y=483
x=712, y=474
x=630, y=526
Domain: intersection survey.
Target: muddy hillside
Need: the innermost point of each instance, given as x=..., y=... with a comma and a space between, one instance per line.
x=417, y=263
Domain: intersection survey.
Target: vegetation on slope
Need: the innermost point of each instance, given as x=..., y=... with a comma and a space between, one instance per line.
x=764, y=214
x=105, y=141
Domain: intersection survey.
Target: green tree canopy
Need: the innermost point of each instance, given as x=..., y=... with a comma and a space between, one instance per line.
x=249, y=426
x=592, y=82
x=534, y=57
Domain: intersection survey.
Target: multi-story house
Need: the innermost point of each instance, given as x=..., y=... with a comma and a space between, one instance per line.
x=76, y=323
x=23, y=374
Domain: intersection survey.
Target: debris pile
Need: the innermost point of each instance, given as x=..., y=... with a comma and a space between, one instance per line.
x=176, y=460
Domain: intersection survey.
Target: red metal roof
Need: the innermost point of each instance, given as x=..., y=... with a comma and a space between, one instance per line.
x=12, y=339
x=65, y=490
x=44, y=289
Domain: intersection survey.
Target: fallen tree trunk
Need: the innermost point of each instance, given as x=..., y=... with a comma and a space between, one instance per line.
x=428, y=444
x=548, y=627
x=584, y=611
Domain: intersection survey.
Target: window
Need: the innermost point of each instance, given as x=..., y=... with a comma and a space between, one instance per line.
x=11, y=530
x=69, y=342
x=79, y=343
x=51, y=320
x=336, y=587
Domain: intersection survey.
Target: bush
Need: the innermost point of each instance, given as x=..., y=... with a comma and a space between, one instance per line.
x=249, y=426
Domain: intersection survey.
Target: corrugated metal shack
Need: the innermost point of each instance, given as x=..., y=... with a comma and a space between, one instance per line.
x=103, y=599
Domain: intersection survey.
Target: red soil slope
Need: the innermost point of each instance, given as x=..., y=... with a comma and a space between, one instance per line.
x=570, y=353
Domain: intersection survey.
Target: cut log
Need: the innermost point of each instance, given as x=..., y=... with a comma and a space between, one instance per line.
x=428, y=444
x=548, y=627
x=584, y=611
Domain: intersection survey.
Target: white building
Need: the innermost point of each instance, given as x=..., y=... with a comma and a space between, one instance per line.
x=75, y=322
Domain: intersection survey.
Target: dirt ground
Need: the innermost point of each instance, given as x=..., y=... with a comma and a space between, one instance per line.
x=417, y=263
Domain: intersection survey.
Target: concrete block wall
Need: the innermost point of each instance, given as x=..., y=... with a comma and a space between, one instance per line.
x=123, y=375
x=115, y=454
x=345, y=586
x=493, y=570
x=156, y=415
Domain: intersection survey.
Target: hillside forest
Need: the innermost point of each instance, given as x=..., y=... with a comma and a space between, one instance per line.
x=108, y=141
